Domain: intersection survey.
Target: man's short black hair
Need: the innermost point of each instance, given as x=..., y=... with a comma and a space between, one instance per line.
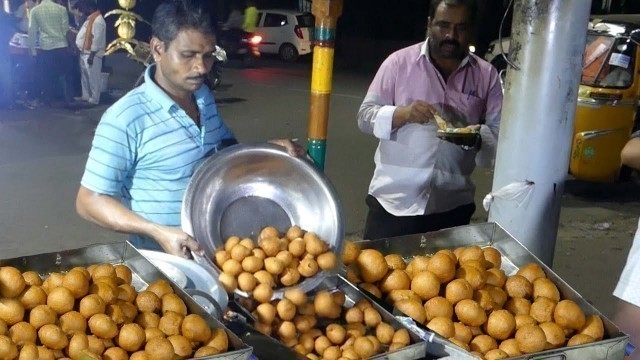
x=172, y=16
x=87, y=6
x=472, y=5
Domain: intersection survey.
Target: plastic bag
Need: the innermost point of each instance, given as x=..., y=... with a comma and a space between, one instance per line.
x=518, y=191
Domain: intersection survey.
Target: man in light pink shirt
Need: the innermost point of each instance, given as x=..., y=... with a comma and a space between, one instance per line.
x=422, y=183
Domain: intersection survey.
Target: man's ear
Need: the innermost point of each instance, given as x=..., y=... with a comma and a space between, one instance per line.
x=157, y=48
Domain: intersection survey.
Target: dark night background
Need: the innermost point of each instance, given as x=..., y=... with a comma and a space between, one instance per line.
x=369, y=30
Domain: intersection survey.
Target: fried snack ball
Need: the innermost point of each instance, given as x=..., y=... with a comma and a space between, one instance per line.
x=263, y=293
x=554, y=333
x=443, y=326
x=474, y=276
x=8, y=350
x=470, y=313
x=160, y=288
x=102, y=270
x=147, y=320
x=229, y=282
x=438, y=307
x=61, y=300
x=96, y=345
x=72, y=322
x=105, y=290
x=569, y=315
x=510, y=347
x=28, y=352
x=462, y=332
x=501, y=324
x=204, y=351
x=579, y=339
x=372, y=317
x=41, y=315
x=593, y=327
x=327, y=260
x=395, y=262
x=159, y=349
x=524, y=319
x=32, y=296
x=195, y=328
x=11, y=282
x=460, y=343
x=11, y=311
x=286, y=309
x=413, y=309
x=531, y=339
x=123, y=273
x=546, y=288
x=364, y=347
x=496, y=277
x=426, y=284
x=483, y=344
x=518, y=306
x=495, y=354
x=457, y=290
x=518, y=287
x=115, y=353
x=219, y=340
x=372, y=289
x=173, y=302
x=336, y=334
x=22, y=333
x=401, y=336
x=443, y=266
x=52, y=281
x=531, y=271
x=492, y=256
x=542, y=309
x=470, y=253
x=372, y=265
x=77, y=283
x=131, y=337
x=127, y=293
x=148, y=301
x=181, y=346
x=91, y=304
x=395, y=280
x=102, y=326
x=397, y=295
x=170, y=323
x=78, y=343
x=484, y=299
x=53, y=337
x=32, y=278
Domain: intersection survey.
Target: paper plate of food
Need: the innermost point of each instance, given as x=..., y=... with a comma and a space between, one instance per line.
x=459, y=136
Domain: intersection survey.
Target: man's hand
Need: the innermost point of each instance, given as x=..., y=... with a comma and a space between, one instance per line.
x=418, y=112
x=293, y=148
x=175, y=241
x=474, y=127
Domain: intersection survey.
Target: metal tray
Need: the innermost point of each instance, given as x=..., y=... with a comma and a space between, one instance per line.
x=514, y=255
x=143, y=271
x=416, y=350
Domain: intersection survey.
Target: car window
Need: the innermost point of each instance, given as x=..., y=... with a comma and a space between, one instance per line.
x=275, y=20
x=608, y=61
x=305, y=20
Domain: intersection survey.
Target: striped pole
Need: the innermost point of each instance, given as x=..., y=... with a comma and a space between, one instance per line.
x=326, y=13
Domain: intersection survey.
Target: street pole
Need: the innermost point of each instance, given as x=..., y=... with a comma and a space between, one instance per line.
x=547, y=42
x=326, y=13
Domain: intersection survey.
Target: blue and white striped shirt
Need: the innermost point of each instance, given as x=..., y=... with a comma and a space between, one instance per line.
x=146, y=148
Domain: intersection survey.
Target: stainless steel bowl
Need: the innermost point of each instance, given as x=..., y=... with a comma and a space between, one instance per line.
x=241, y=189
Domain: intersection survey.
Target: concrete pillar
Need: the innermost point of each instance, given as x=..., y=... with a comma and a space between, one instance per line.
x=547, y=42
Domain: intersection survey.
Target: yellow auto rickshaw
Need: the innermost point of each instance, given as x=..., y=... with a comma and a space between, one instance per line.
x=608, y=97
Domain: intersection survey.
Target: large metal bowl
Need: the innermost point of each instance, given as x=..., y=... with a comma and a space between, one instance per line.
x=243, y=188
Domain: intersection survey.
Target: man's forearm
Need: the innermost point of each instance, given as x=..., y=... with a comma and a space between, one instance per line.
x=109, y=213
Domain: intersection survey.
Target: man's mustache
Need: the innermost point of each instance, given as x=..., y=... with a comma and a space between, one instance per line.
x=449, y=42
x=199, y=77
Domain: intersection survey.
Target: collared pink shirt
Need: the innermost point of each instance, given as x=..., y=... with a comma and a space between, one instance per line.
x=416, y=173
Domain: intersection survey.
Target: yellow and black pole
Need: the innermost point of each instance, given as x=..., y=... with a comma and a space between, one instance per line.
x=326, y=13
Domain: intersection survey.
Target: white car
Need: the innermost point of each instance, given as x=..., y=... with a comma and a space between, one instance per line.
x=288, y=33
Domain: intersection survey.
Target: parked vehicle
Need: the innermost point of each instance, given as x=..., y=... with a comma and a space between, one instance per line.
x=608, y=96
x=240, y=44
x=287, y=33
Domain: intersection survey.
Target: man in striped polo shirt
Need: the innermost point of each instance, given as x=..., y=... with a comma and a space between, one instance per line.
x=149, y=143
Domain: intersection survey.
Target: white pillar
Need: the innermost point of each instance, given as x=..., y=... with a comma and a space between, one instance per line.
x=547, y=42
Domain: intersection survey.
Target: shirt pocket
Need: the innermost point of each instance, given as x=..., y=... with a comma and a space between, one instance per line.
x=464, y=109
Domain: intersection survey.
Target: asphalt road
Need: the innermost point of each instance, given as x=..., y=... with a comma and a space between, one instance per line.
x=43, y=152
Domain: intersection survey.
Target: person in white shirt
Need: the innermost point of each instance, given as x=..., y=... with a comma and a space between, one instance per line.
x=627, y=316
x=91, y=41
x=22, y=14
